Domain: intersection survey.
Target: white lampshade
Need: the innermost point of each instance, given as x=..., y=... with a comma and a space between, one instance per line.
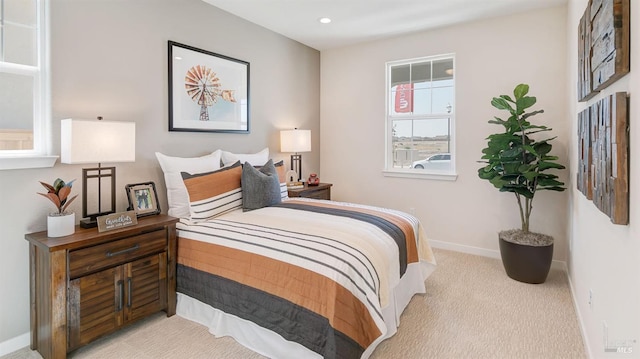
x=295, y=141
x=97, y=141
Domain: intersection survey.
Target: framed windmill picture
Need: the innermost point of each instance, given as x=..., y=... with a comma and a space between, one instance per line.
x=208, y=92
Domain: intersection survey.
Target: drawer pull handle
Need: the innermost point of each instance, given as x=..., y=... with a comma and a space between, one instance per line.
x=129, y=290
x=111, y=254
x=120, y=295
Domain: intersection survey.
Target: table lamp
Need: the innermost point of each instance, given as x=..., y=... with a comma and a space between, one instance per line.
x=97, y=141
x=295, y=141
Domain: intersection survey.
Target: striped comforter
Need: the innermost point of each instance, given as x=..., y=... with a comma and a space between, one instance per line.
x=316, y=272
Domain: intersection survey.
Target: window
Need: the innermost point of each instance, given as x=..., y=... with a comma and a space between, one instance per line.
x=24, y=85
x=420, y=117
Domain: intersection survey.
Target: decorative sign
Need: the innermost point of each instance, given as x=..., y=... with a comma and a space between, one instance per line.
x=117, y=220
x=603, y=141
x=404, y=98
x=603, y=46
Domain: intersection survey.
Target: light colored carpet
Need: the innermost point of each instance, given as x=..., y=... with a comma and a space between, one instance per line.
x=471, y=310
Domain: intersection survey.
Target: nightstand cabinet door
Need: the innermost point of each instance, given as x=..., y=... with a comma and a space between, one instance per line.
x=95, y=304
x=145, y=287
x=102, y=302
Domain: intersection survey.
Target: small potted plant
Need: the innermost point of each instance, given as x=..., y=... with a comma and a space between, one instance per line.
x=518, y=162
x=60, y=223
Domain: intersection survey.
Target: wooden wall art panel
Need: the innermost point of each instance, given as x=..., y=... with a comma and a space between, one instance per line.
x=603, y=46
x=583, y=179
x=585, y=89
x=603, y=175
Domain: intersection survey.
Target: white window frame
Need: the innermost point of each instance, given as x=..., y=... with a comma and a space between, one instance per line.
x=40, y=156
x=389, y=170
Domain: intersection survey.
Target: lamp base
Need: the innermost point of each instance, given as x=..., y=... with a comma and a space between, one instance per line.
x=89, y=223
x=296, y=165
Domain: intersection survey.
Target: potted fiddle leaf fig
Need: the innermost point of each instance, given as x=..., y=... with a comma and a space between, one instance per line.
x=60, y=223
x=518, y=160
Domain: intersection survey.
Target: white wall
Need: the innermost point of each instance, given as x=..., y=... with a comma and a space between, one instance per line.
x=603, y=257
x=109, y=58
x=492, y=57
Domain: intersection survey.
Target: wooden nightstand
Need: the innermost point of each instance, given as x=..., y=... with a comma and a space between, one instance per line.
x=321, y=191
x=90, y=284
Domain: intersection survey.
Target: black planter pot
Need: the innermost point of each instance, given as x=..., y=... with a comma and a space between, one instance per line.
x=528, y=264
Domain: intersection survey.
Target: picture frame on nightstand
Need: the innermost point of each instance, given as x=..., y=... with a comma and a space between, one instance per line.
x=143, y=199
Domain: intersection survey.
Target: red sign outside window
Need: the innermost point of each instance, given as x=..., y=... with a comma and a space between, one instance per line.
x=404, y=98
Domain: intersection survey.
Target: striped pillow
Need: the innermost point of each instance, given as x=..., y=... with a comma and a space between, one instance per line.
x=214, y=193
x=282, y=178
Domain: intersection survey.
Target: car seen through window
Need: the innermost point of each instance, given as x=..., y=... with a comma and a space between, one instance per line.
x=440, y=161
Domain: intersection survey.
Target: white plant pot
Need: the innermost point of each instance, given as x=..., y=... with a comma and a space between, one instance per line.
x=59, y=225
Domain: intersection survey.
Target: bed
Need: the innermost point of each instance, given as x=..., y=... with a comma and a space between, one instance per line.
x=295, y=278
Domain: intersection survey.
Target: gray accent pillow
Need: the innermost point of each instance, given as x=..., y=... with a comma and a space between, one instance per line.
x=260, y=187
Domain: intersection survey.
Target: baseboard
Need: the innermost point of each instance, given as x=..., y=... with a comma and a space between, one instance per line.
x=13, y=344
x=583, y=329
x=555, y=264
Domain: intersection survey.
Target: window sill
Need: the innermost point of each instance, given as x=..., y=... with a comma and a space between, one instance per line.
x=24, y=162
x=438, y=176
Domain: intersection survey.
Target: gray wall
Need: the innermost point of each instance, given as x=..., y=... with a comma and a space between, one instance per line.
x=109, y=58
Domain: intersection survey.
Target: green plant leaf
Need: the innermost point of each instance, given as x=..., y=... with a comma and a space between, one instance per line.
x=524, y=168
x=544, y=165
x=485, y=174
x=527, y=115
x=530, y=149
x=57, y=184
x=498, y=121
x=557, y=189
x=549, y=183
x=521, y=190
x=512, y=153
x=498, y=182
x=501, y=104
x=542, y=148
x=521, y=90
x=524, y=103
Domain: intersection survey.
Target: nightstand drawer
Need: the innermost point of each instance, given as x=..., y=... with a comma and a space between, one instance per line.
x=319, y=194
x=92, y=259
x=321, y=191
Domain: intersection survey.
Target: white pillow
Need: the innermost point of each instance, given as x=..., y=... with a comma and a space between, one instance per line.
x=177, y=195
x=255, y=159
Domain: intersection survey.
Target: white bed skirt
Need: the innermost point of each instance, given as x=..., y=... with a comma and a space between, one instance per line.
x=272, y=345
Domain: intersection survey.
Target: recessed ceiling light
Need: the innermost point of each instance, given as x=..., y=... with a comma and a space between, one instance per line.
x=324, y=20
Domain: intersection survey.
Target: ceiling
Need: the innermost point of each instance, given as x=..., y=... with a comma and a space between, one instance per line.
x=355, y=21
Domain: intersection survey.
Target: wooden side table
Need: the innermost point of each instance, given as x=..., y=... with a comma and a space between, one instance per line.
x=321, y=191
x=90, y=284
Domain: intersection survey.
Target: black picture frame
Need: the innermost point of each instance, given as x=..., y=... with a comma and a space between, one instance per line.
x=208, y=92
x=143, y=199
